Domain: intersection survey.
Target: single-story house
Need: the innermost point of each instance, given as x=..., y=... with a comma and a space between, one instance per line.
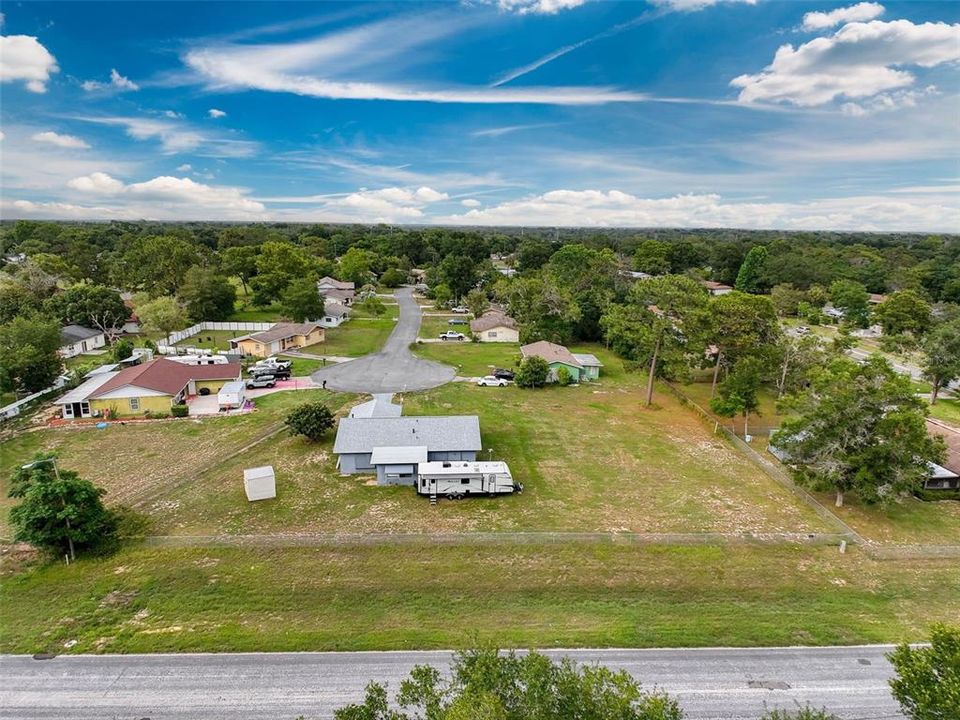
x=876, y=298
x=495, y=326
x=334, y=314
x=131, y=325
x=280, y=337
x=153, y=386
x=393, y=447
x=948, y=478
x=76, y=339
x=716, y=288
x=581, y=366
x=333, y=289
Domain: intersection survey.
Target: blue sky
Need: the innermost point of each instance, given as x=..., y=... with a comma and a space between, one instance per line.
x=696, y=113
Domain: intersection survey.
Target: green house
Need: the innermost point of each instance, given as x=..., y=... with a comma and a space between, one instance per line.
x=581, y=366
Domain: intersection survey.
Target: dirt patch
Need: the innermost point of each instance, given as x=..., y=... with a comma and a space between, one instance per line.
x=118, y=598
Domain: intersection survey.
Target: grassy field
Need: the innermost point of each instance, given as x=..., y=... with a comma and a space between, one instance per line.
x=472, y=359
x=946, y=410
x=402, y=597
x=431, y=326
x=358, y=336
x=212, y=339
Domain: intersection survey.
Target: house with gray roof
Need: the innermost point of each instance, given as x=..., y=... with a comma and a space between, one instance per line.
x=76, y=339
x=393, y=447
x=581, y=366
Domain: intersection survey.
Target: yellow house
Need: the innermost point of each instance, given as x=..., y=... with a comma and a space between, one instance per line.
x=282, y=336
x=154, y=386
x=495, y=326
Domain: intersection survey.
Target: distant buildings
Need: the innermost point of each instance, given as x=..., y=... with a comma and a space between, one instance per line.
x=338, y=290
x=716, y=288
x=495, y=326
x=76, y=339
x=280, y=337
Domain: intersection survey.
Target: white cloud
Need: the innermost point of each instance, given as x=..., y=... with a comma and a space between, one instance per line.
x=386, y=205
x=2, y=135
x=173, y=114
x=216, y=114
x=98, y=182
x=594, y=208
x=118, y=83
x=695, y=5
x=429, y=195
x=22, y=57
x=470, y=203
x=538, y=7
x=186, y=167
x=64, y=141
x=860, y=12
x=178, y=137
x=859, y=61
x=495, y=132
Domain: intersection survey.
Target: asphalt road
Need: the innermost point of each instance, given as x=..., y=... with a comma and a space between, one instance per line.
x=709, y=683
x=394, y=368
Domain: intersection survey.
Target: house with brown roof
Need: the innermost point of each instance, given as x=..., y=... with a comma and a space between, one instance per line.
x=946, y=476
x=716, y=288
x=581, y=366
x=338, y=290
x=153, y=386
x=279, y=338
x=495, y=326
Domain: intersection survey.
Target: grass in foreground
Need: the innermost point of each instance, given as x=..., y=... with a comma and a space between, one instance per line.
x=382, y=597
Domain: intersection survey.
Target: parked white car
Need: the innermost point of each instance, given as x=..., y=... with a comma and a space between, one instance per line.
x=460, y=309
x=453, y=335
x=491, y=381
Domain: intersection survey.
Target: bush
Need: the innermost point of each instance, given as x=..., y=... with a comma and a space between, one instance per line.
x=312, y=420
x=393, y=278
x=927, y=684
x=806, y=713
x=180, y=411
x=564, y=377
x=122, y=349
x=533, y=373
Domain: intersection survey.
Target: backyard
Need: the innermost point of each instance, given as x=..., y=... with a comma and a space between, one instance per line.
x=358, y=336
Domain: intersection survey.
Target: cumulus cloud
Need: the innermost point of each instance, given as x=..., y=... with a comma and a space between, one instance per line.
x=186, y=167
x=64, y=141
x=538, y=7
x=470, y=203
x=695, y=5
x=98, y=182
x=855, y=13
x=216, y=114
x=173, y=114
x=595, y=208
x=23, y=58
x=859, y=61
x=117, y=83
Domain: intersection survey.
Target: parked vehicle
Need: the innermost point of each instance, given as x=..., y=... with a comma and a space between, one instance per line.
x=199, y=359
x=457, y=321
x=261, y=381
x=457, y=479
x=802, y=330
x=278, y=373
x=274, y=362
x=231, y=395
x=453, y=335
x=491, y=381
x=503, y=374
x=460, y=309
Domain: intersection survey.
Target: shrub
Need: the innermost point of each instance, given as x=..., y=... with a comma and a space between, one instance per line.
x=533, y=373
x=180, y=411
x=312, y=420
x=564, y=377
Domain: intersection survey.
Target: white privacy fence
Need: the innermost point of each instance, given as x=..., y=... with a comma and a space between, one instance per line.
x=165, y=346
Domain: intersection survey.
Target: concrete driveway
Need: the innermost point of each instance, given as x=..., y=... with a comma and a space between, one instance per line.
x=394, y=368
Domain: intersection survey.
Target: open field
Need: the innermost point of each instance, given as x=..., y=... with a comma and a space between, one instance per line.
x=423, y=596
x=471, y=359
x=431, y=326
x=358, y=336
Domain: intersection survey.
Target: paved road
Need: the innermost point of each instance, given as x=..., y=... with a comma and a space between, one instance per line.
x=394, y=368
x=709, y=683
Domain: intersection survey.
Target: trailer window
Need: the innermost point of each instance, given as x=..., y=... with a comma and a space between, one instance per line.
x=464, y=481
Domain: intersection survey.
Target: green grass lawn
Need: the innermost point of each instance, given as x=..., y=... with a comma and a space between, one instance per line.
x=946, y=410
x=431, y=327
x=213, y=340
x=358, y=336
x=471, y=359
x=428, y=596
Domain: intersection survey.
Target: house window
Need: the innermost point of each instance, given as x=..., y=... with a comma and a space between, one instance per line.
x=84, y=409
x=68, y=410
x=492, y=333
x=134, y=403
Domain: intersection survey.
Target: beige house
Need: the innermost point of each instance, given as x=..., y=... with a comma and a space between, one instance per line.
x=281, y=337
x=495, y=326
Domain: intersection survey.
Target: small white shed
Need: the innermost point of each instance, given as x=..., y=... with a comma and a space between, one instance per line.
x=231, y=395
x=260, y=483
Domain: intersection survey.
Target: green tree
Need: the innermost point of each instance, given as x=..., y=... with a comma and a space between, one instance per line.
x=441, y=295
x=751, y=271
x=477, y=301
x=355, y=265
x=92, y=306
x=312, y=420
x=121, y=350
x=278, y=264
x=786, y=299
x=797, y=357
x=156, y=264
x=240, y=262
x=544, y=310
x=741, y=325
x=302, y=301
x=859, y=428
x=393, y=277
x=739, y=393
x=653, y=257
x=207, y=296
x=533, y=254
x=927, y=684
x=163, y=314
x=459, y=273
x=58, y=510
x=532, y=373
x=16, y=299
x=487, y=685
x=29, y=360
x=904, y=311
x=853, y=299
x=941, y=347
x=661, y=325
x=371, y=305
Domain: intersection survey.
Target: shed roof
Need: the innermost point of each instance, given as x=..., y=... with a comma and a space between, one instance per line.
x=551, y=352
x=436, y=433
x=389, y=455
x=85, y=389
x=166, y=376
x=587, y=359
x=264, y=471
x=70, y=334
x=492, y=319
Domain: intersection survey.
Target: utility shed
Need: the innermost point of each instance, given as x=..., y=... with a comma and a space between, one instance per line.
x=260, y=483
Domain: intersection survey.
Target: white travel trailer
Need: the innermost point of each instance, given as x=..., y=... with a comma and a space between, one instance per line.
x=231, y=395
x=199, y=359
x=456, y=479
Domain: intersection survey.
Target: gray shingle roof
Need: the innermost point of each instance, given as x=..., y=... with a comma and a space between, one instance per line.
x=281, y=331
x=380, y=406
x=437, y=433
x=71, y=334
